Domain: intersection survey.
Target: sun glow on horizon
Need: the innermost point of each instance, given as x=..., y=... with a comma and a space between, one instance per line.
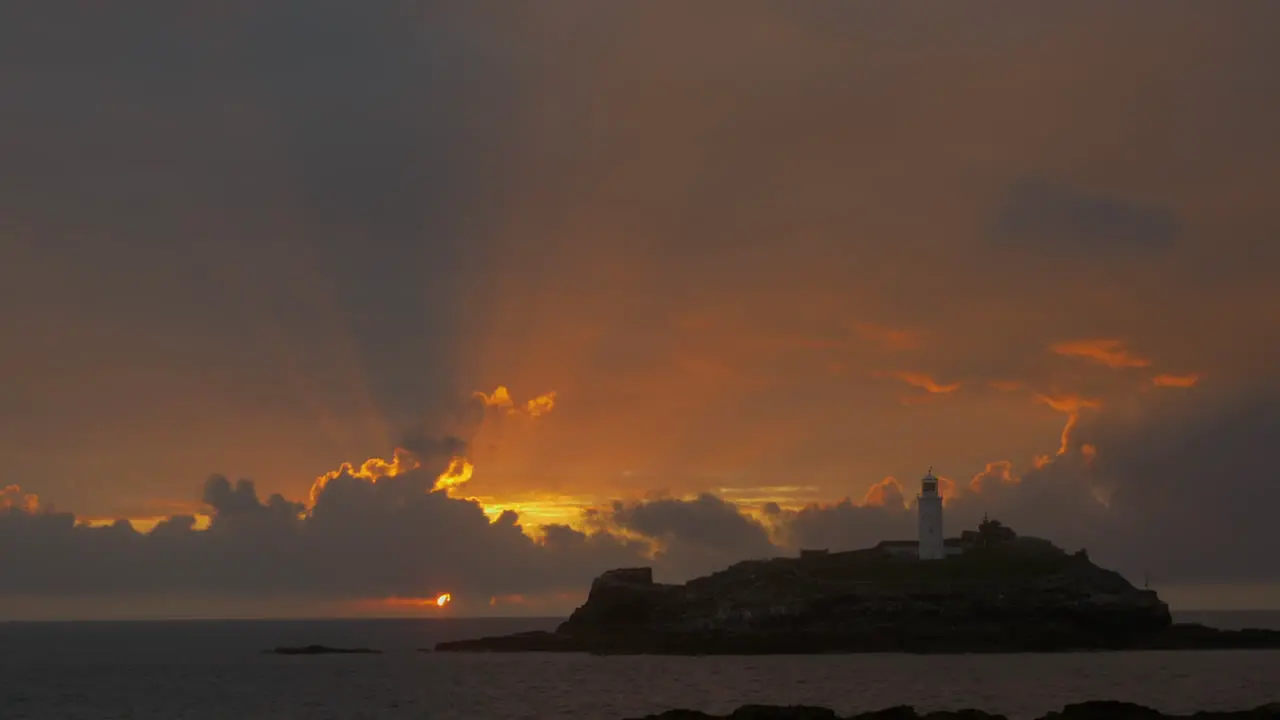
x=443, y=599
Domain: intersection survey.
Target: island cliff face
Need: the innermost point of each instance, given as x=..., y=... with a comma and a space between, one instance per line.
x=1022, y=596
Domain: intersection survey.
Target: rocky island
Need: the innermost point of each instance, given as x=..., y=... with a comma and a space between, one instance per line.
x=1003, y=593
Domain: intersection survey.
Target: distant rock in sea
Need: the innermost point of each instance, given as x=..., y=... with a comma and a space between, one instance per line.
x=321, y=650
x=1097, y=710
x=1016, y=595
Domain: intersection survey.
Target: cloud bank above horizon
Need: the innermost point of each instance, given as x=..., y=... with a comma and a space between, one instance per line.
x=391, y=535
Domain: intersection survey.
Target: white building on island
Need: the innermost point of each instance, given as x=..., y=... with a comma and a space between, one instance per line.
x=929, y=505
x=931, y=543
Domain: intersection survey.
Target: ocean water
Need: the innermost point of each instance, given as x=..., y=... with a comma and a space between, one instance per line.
x=216, y=670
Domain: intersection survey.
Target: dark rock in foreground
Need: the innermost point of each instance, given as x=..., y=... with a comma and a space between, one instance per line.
x=1021, y=596
x=1097, y=710
x=322, y=650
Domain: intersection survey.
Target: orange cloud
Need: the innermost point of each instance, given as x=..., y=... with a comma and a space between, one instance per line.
x=459, y=470
x=1176, y=381
x=372, y=470
x=1068, y=403
x=501, y=398
x=456, y=475
x=1071, y=405
x=880, y=493
x=924, y=382
x=12, y=498
x=541, y=405
x=1072, y=420
x=1001, y=470
x=1111, y=353
x=887, y=338
x=946, y=488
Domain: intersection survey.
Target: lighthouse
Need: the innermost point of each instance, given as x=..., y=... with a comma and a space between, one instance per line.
x=929, y=504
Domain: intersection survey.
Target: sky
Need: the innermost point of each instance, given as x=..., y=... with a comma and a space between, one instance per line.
x=321, y=308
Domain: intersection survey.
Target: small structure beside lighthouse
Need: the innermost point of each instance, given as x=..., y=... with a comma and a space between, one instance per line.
x=929, y=503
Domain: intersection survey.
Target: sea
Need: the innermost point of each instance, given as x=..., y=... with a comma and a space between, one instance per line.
x=180, y=670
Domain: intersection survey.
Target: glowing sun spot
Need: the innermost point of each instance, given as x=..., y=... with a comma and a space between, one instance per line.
x=443, y=599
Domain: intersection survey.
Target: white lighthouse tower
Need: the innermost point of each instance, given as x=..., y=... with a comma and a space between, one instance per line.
x=929, y=504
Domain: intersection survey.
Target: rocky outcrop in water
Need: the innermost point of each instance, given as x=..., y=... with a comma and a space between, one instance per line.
x=1098, y=710
x=321, y=650
x=1018, y=596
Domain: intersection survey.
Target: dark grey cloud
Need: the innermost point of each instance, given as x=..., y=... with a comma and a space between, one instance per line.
x=435, y=451
x=1181, y=490
x=1191, y=487
x=844, y=526
x=1054, y=220
x=362, y=540
x=695, y=536
x=1051, y=504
